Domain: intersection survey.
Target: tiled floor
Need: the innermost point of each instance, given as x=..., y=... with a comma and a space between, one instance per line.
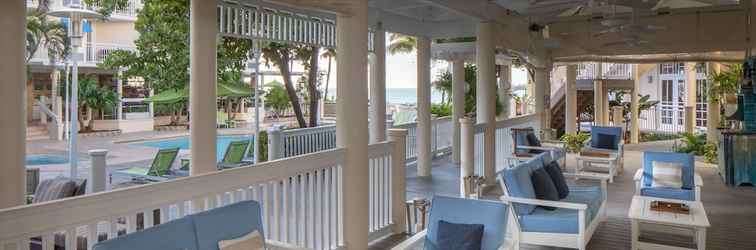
x=731, y=211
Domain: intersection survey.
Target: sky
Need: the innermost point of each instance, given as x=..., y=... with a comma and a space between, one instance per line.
x=401, y=71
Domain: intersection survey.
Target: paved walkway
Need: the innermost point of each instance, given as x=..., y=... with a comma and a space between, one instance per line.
x=731, y=211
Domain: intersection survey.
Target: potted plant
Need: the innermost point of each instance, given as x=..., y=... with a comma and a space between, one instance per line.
x=574, y=142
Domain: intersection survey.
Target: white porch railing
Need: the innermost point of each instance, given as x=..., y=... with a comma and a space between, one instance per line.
x=441, y=136
x=97, y=52
x=293, y=142
x=504, y=144
x=380, y=186
x=301, y=200
x=479, y=151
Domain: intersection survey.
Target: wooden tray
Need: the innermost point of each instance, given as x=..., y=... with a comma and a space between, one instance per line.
x=524, y=154
x=595, y=154
x=670, y=207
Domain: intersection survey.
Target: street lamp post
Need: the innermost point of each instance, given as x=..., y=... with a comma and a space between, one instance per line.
x=254, y=65
x=76, y=14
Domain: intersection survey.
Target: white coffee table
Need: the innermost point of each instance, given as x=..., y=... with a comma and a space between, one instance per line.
x=586, y=164
x=641, y=213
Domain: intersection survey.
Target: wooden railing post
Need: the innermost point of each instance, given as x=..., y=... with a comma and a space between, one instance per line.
x=97, y=171
x=398, y=189
x=467, y=157
x=274, y=143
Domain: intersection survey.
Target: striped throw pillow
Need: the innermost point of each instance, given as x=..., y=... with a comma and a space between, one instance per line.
x=667, y=174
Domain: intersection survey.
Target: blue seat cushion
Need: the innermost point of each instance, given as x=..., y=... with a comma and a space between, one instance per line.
x=226, y=223
x=562, y=220
x=457, y=236
x=615, y=132
x=491, y=214
x=518, y=184
x=174, y=235
x=669, y=193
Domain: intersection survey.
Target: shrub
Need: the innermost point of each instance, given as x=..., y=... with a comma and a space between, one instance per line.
x=647, y=137
x=441, y=110
x=692, y=143
x=574, y=142
x=710, y=153
x=263, y=137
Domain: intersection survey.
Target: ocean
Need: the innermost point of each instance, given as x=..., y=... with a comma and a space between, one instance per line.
x=400, y=95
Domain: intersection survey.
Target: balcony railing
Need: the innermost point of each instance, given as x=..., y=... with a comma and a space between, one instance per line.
x=611, y=71
x=94, y=53
x=130, y=10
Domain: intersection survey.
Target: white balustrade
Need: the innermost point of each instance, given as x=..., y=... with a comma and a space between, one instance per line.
x=504, y=144
x=307, y=140
x=618, y=71
x=441, y=137
x=97, y=52
x=300, y=197
x=380, y=189
x=479, y=152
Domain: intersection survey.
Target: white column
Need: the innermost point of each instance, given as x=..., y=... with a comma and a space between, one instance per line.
x=598, y=98
x=55, y=78
x=458, y=104
x=617, y=116
x=352, y=121
x=13, y=110
x=398, y=177
x=424, y=156
x=486, y=96
x=467, y=165
x=634, y=107
x=378, y=86
x=570, y=100
x=712, y=111
x=540, y=95
x=690, y=100
x=505, y=90
x=605, y=102
x=119, y=89
x=202, y=82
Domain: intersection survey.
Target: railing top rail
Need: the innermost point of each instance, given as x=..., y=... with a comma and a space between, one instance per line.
x=310, y=130
x=380, y=149
x=515, y=121
x=479, y=127
x=406, y=125
x=24, y=221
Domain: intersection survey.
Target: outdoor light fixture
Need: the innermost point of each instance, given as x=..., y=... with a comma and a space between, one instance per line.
x=76, y=14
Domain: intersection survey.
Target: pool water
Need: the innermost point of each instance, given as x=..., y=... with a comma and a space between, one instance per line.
x=34, y=160
x=183, y=143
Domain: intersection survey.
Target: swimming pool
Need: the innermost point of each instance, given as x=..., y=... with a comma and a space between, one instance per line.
x=43, y=159
x=183, y=143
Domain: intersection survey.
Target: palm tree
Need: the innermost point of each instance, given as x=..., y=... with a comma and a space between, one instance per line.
x=50, y=35
x=94, y=97
x=330, y=54
x=444, y=84
x=401, y=43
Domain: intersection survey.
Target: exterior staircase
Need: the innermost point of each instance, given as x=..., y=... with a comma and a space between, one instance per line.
x=584, y=101
x=37, y=132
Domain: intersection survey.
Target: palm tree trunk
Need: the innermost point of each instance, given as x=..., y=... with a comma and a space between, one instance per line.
x=312, y=84
x=293, y=98
x=328, y=77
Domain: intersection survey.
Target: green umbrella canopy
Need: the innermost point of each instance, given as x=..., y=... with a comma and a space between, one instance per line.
x=178, y=95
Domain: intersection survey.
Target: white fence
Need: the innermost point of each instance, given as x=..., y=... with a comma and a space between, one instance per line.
x=441, y=136
x=304, y=141
x=503, y=140
x=301, y=200
x=380, y=197
x=618, y=71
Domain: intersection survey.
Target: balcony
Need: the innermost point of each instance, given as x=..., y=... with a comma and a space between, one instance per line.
x=609, y=71
x=94, y=53
x=127, y=13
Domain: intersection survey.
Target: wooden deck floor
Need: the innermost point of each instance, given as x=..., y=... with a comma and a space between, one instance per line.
x=731, y=211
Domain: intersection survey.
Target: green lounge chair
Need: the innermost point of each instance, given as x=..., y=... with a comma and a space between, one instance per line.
x=232, y=158
x=158, y=171
x=234, y=155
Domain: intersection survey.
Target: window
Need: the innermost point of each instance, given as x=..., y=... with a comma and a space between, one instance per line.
x=650, y=79
x=701, y=102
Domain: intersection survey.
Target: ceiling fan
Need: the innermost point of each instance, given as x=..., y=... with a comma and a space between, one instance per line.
x=621, y=25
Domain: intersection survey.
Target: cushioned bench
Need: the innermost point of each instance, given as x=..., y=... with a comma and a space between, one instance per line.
x=200, y=231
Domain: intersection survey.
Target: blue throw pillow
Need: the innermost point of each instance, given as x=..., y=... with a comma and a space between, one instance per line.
x=544, y=187
x=453, y=236
x=606, y=141
x=533, y=141
x=558, y=178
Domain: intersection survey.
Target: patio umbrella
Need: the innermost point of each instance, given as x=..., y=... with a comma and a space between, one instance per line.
x=177, y=95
